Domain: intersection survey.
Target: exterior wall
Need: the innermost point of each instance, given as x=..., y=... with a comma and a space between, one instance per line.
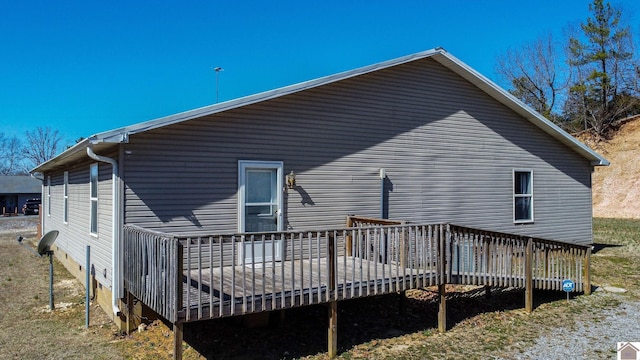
x=449, y=151
x=75, y=235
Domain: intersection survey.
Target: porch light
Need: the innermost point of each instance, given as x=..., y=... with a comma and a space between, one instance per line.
x=291, y=180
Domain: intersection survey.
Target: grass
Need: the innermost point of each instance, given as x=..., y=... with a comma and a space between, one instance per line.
x=479, y=328
x=616, y=258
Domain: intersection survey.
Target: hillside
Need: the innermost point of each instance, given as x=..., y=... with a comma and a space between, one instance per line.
x=616, y=188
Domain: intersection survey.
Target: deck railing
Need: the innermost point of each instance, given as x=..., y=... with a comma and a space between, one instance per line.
x=188, y=278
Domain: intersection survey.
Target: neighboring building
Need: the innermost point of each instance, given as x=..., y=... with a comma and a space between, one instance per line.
x=422, y=138
x=15, y=190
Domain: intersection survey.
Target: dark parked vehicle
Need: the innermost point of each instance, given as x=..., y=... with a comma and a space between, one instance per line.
x=31, y=207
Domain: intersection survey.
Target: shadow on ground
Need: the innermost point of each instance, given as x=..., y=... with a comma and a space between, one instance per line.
x=597, y=247
x=302, y=331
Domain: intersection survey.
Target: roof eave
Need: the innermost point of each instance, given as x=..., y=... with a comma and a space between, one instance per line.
x=78, y=151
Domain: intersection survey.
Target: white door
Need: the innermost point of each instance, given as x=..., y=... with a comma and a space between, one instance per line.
x=260, y=206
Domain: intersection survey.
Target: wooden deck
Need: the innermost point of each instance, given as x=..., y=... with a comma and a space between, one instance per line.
x=192, y=278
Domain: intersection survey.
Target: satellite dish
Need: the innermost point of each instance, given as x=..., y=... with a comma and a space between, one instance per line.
x=44, y=245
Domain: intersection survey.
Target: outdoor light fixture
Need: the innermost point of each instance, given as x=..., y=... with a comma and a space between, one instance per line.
x=291, y=180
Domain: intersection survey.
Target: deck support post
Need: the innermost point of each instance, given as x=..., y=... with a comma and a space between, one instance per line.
x=129, y=314
x=177, y=341
x=442, y=308
x=333, y=330
x=587, y=272
x=528, y=264
x=487, y=292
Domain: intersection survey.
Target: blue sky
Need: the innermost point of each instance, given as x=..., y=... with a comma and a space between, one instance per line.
x=84, y=67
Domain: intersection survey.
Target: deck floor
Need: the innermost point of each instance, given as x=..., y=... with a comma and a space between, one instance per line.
x=225, y=291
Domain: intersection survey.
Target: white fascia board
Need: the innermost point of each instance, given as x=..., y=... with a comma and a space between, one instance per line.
x=78, y=148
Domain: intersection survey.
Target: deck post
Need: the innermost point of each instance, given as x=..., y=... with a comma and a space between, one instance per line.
x=349, y=239
x=178, y=280
x=177, y=341
x=587, y=272
x=528, y=264
x=332, y=333
x=442, y=269
x=442, y=308
x=333, y=330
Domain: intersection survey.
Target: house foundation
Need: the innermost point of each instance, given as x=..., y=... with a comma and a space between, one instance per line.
x=101, y=295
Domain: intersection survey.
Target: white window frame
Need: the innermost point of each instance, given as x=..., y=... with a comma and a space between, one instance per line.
x=93, y=211
x=65, y=197
x=528, y=195
x=49, y=196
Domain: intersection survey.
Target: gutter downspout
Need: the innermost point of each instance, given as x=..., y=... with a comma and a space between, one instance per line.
x=116, y=292
x=42, y=217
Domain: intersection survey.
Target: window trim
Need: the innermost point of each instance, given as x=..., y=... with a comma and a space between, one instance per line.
x=528, y=195
x=49, y=196
x=93, y=213
x=65, y=199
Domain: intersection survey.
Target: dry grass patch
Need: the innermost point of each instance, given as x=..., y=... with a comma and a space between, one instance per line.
x=29, y=330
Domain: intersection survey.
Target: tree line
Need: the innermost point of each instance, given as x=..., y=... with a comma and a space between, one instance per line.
x=587, y=81
x=19, y=155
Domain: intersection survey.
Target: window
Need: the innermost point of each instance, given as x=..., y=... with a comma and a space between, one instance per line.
x=522, y=196
x=93, y=174
x=48, y=195
x=65, y=203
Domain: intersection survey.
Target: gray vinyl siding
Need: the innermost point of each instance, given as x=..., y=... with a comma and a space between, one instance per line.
x=449, y=151
x=75, y=235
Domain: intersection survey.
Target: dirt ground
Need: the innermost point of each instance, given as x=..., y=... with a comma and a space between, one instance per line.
x=616, y=188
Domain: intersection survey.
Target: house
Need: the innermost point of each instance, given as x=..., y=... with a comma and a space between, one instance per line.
x=627, y=351
x=15, y=190
x=422, y=138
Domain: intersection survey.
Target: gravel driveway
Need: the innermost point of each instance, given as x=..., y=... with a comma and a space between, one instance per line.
x=590, y=338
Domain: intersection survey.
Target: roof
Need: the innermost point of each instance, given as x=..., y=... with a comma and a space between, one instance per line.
x=19, y=184
x=121, y=135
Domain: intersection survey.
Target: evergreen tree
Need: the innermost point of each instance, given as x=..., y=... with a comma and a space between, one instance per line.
x=604, y=76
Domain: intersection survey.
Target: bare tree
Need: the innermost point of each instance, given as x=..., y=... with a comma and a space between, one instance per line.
x=41, y=145
x=533, y=75
x=10, y=155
